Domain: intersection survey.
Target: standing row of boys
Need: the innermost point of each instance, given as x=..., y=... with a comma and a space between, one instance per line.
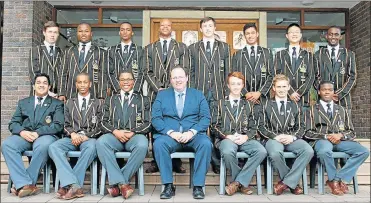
x=189, y=89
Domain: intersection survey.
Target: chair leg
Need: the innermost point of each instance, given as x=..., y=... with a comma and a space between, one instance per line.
x=222, y=177
x=305, y=181
x=265, y=172
x=56, y=182
x=321, y=178
x=191, y=172
x=141, y=180
x=46, y=177
x=259, y=180
x=269, y=177
x=94, y=173
x=312, y=172
x=136, y=180
x=102, y=181
x=9, y=185
x=355, y=184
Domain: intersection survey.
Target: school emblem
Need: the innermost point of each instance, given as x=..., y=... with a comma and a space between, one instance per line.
x=134, y=64
x=245, y=122
x=341, y=125
x=222, y=63
x=292, y=121
x=48, y=119
x=95, y=65
x=94, y=119
x=303, y=68
x=176, y=61
x=139, y=117
x=264, y=69
x=342, y=70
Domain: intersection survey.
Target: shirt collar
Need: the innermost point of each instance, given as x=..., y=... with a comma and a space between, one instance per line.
x=88, y=44
x=167, y=40
x=278, y=100
x=47, y=44
x=297, y=48
x=42, y=99
x=80, y=97
x=122, y=93
x=184, y=92
x=210, y=40
x=324, y=104
x=123, y=44
x=336, y=47
x=249, y=46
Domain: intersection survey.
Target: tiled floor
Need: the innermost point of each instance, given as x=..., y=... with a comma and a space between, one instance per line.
x=184, y=194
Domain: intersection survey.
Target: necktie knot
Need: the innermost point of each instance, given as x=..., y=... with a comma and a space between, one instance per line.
x=180, y=95
x=328, y=106
x=126, y=95
x=333, y=49
x=39, y=99
x=294, y=48
x=252, y=48
x=282, y=102
x=235, y=104
x=208, y=43
x=165, y=41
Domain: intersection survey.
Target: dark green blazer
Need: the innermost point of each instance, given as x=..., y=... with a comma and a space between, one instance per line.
x=118, y=63
x=343, y=76
x=50, y=121
x=138, y=112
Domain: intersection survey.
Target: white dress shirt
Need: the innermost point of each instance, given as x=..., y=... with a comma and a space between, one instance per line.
x=291, y=51
x=248, y=47
x=123, y=46
x=80, y=98
x=324, y=105
x=329, y=48
x=278, y=101
x=42, y=101
x=87, y=48
x=122, y=93
x=211, y=43
x=168, y=40
x=47, y=44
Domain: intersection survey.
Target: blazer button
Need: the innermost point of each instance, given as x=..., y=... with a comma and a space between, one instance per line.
x=293, y=78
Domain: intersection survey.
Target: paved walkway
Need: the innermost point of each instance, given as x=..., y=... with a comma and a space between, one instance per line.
x=184, y=194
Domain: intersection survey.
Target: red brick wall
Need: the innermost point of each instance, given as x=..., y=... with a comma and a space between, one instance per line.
x=360, y=16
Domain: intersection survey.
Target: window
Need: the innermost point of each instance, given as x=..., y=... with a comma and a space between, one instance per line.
x=76, y=16
x=111, y=16
x=283, y=18
x=324, y=19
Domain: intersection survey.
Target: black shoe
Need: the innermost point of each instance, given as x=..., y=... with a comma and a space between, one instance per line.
x=168, y=192
x=216, y=169
x=198, y=193
x=179, y=169
x=152, y=168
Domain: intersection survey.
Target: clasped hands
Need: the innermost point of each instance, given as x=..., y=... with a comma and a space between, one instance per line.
x=334, y=138
x=182, y=137
x=285, y=139
x=77, y=139
x=238, y=138
x=28, y=135
x=123, y=135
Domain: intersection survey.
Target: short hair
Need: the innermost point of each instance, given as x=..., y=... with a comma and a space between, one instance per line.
x=334, y=26
x=50, y=24
x=84, y=23
x=126, y=22
x=249, y=25
x=292, y=25
x=204, y=20
x=280, y=77
x=38, y=75
x=127, y=71
x=325, y=82
x=83, y=74
x=238, y=75
x=180, y=67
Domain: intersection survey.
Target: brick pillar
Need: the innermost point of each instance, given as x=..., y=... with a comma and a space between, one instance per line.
x=21, y=19
x=360, y=19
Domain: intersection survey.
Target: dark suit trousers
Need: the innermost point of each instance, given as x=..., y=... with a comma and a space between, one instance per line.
x=164, y=145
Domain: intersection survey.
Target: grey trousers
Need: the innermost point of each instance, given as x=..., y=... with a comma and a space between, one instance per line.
x=255, y=150
x=12, y=149
x=304, y=154
x=108, y=145
x=67, y=175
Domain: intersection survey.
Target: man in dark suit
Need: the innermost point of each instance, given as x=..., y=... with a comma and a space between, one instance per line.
x=82, y=116
x=256, y=63
x=329, y=128
x=209, y=67
x=235, y=122
x=158, y=60
x=36, y=124
x=298, y=65
x=337, y=64
x=181, y=117
x=281, y=125
x=84, y=57
x=125, y=56
x=126, y=121
x=47, y=58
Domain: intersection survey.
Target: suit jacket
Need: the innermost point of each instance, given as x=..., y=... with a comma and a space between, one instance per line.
x=212, y=74
x=343, y=75
x=156, y=73
x=318, y=123
x=50, y=121
x=258, y=78
x=271, y=124
x=301, y=77
x=138, y=112
x=196, y=113
x=224, y=122
x=41, y=62
x=117, y=63
x=95, y=66
x=73, y=121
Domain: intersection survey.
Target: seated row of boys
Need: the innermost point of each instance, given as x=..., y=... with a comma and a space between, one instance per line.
x=180, y=117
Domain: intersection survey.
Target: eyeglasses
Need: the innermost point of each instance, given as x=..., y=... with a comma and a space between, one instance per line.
x=178, y=78
x=294, y=32
x=126, y=80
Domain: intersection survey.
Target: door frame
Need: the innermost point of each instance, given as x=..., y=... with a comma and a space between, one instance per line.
x=192, y=14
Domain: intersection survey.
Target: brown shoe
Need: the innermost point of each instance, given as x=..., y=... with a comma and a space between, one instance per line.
x=61, y=191
x=343, y=187
x=114, y=191
x=335, y=187
x=126, y=191
x=27, y=190
x=14, y=191
x=297, y=191
x=73, y=193
x=232, y=188
x=152, y=168
x=246, y=190
x=179, y=169
x=279, y=188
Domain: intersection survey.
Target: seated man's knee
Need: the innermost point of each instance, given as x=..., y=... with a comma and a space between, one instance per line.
x=227, y=152
x=276, y=155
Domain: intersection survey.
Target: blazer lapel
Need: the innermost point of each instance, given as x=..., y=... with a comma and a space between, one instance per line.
x=338, y=60
x=259, y=59
x=288, y=112
x=46, y=104
x=288, y=61
x=31, y=110
x=88, y=110
x=275, y=112
x=229, y=108
x=75, y=50
x=323, y=113
x=159, y=53
x=89, y=56
x=241, y=109
x=203, y=53
x=120, y=56
x=76, y=105
x=299, y=60
x=133, y=100
x=336, y=114
x=132, y=50
x=173, y=102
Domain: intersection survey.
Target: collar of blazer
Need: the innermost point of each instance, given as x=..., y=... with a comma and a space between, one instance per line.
x=301, y=55
x=202, y=48
x=323, y=113
x=241, y=107
x=275, y=110
x=46, y=104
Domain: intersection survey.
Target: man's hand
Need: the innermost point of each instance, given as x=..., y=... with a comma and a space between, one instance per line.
x=119, y=134
x=76, y=139
x=128, y=134
x=240, y=139
x=62, y=98
x=287, y=139
x=295, y=97
x=335, y=138
x=231, y=137
x=176, y=136
x=335, y=97
x=84, y=138
x=34, y=136
x=186, y=136
x=278, y=137
x=26, y=135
